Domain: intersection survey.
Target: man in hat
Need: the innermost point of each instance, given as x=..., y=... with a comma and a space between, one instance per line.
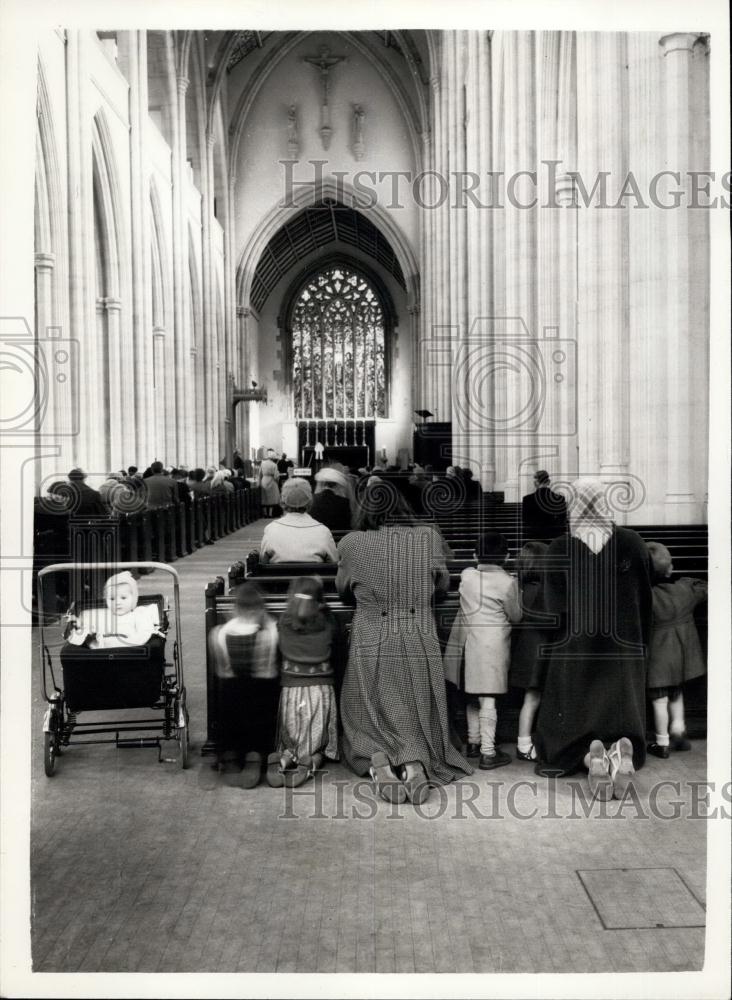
x=332, y=504
x=296, y=536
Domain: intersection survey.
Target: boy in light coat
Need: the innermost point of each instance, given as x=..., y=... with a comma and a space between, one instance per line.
x=489, y=606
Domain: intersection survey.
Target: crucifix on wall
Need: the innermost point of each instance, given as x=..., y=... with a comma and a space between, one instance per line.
x=324, y=63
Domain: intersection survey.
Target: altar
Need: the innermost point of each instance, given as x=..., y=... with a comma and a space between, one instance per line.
x=348, y=441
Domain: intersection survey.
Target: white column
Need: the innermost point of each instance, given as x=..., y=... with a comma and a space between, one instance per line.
x=603, y=249
x=681, y=441
x=159, y=394
x=120, y=442
x=184, y=399
x=88, y=448
x=210, y=358
x=243, y=422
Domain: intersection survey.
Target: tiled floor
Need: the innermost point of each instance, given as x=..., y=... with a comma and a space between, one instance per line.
x=136, y=868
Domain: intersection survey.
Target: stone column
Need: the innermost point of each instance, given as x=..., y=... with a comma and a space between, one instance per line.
x=519, y=330
x=159, y=387
x=184, y=408
x=245, y=375
x=603, y=255
x=88, y=449
x=681, y=439
x=48, y=417
x=210, y=346
x=121, y=417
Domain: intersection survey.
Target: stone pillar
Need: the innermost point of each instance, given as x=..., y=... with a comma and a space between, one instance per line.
x=681, y=439
x=88, y=449
x=47, y=418
x=159, y=387
x=184, y=408
x=210, y=358
x=245, y=375
x=603, y=255
x=121, y=417
x=148, y=437
x=520, y=328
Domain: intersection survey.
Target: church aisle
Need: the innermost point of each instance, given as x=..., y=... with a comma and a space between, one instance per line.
x=136, y=868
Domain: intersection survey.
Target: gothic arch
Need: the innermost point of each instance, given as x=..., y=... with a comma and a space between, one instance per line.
x=106, y=189
x=345, y=194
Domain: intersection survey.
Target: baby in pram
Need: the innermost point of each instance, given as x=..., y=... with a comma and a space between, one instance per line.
x=122, y=623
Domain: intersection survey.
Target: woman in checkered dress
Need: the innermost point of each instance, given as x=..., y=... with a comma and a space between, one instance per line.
x=393, y=697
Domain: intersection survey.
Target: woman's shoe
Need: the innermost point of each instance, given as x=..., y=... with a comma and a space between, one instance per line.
x=658, y=751
x=295, y=776
x=530, y=756
x=621, y=766
x=679, y=742
x=415, y=783
x=598, y=773
x=388, y=785
x=498, y=759
x=251, y=774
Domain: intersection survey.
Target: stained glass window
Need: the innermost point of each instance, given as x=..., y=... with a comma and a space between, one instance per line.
x=338, y=348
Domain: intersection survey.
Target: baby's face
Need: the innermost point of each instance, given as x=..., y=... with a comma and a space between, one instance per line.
x=120, y=600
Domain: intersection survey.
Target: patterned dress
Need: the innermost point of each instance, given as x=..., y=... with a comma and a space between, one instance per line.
x=393, y=695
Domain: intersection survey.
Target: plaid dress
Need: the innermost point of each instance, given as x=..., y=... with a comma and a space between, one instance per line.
x=393, y=695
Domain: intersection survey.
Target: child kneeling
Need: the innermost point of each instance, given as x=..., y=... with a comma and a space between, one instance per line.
x=489, y=605
x=308, y=716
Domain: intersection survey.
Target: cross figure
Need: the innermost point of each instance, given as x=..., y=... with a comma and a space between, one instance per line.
x=324, y=63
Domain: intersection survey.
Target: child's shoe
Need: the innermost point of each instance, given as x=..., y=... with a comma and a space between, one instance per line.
x=530, y=756
x=473, y=750
x=620, y=756
x=679, y=741
x=490, y=761
x=658, y=751
x=598, y=773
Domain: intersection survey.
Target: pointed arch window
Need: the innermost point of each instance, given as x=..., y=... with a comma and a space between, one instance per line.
x=338, y=343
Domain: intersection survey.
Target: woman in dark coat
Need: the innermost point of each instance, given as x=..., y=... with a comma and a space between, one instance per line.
x=598, y=583
x=393, y=703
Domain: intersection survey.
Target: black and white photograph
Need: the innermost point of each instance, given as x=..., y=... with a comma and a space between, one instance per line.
x=365, y=555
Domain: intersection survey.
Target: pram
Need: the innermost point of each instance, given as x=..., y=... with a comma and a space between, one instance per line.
x=114, y=679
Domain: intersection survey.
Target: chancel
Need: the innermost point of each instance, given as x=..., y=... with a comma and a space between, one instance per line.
x=410, y=261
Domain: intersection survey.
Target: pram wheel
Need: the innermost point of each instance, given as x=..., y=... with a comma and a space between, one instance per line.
x=49, y=753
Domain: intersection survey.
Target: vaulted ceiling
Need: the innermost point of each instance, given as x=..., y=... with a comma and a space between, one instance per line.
x=314, y=228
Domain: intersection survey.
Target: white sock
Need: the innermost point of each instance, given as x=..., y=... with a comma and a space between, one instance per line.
x=524, y=744
x=488, y=723
x=662, y=739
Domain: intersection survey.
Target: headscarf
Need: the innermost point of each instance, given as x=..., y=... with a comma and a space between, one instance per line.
x=124, y=579
x=590, y=517
x=219, y=479
x=336, y=477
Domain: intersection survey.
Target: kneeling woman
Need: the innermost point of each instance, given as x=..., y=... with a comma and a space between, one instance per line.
x=393, y=704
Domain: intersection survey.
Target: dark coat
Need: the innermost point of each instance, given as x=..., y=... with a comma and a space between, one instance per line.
x=87, y=502
x=676, y=654
x=543, y=514
x=161, y=491
x=595, y=686
x=529, y=639
x=331, y=510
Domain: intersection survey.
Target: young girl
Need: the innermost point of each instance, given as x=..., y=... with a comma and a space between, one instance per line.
x=489, y=605
x=527, y=667
x=675, y=654
x=245, y=656
x=308, y=719
x=122, y=623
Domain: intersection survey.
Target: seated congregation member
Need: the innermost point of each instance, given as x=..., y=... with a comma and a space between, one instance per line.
x=122, y=623
x=543, y=512
x=528, y=643
x=161, y=490
x=180, y=477
x=489, y=605
x=108, y=488
x=268, y=487
x=332, y=503
x=220, y=482
x=199, y=486
x=86, y=501
x=296, y=536
x=593, y=704
x=675, y=656
x=393, y=704
x=245, y=656
x=307, y=728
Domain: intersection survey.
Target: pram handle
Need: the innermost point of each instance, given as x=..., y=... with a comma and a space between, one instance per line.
x=57, y=567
